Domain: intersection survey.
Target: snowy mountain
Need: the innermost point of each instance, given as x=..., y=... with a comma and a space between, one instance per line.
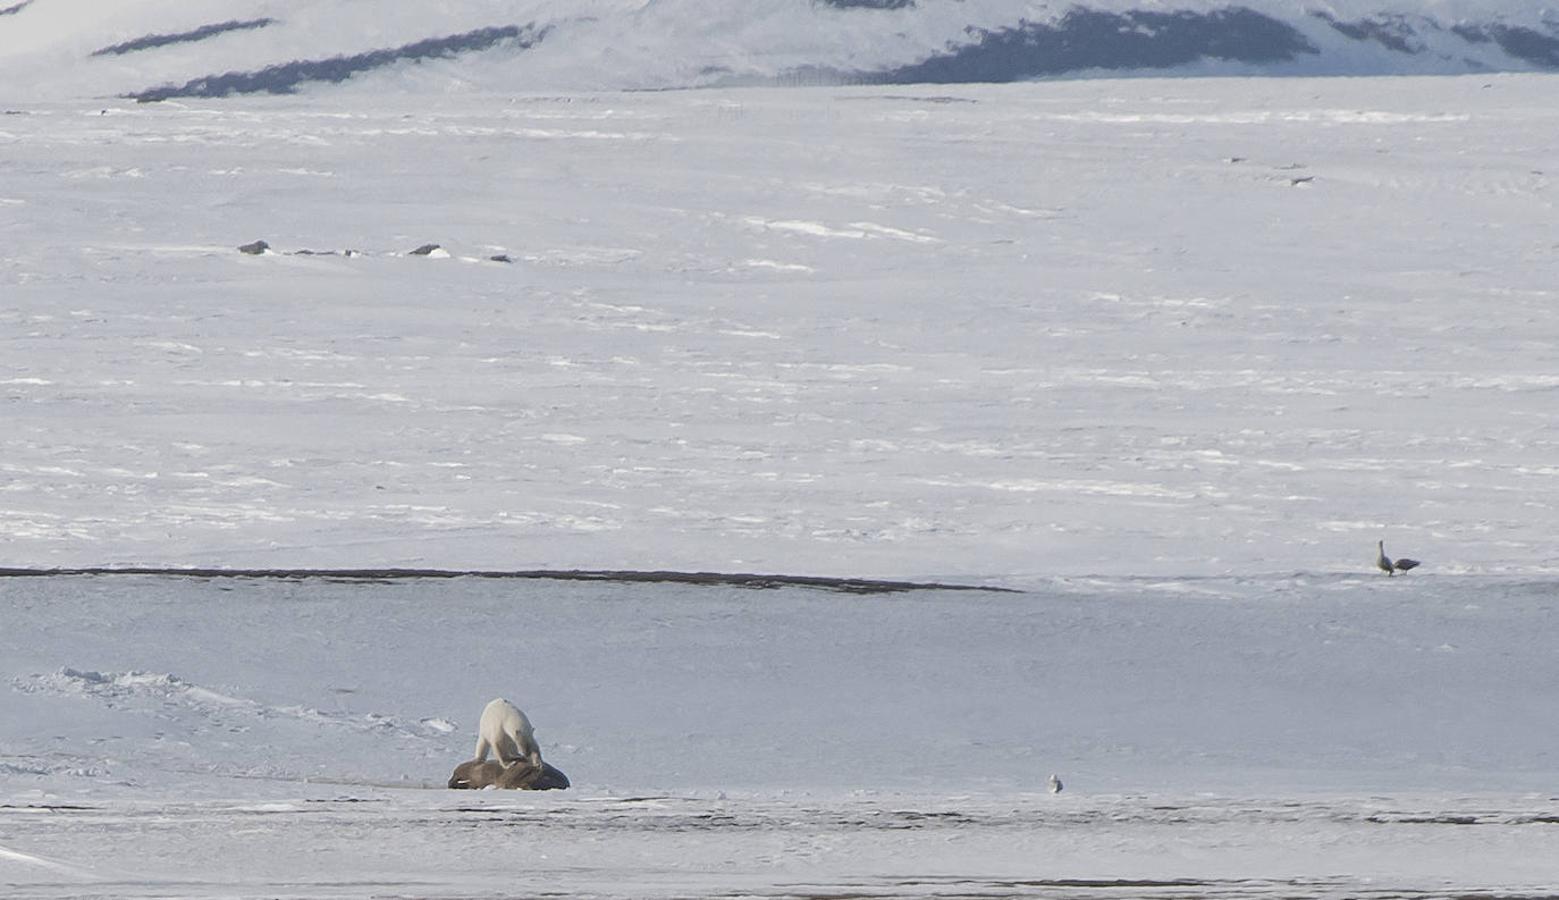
x=154, y=49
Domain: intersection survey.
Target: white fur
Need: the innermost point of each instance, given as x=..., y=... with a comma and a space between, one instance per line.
x=505, y=730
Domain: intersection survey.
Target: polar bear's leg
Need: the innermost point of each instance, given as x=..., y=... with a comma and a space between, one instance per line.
x=516, y=746
x=503, y=748
x=481, y=748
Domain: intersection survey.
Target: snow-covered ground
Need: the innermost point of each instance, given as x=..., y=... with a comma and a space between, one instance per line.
x=1297, y=737
x=1170, y=356
x=1141, y=327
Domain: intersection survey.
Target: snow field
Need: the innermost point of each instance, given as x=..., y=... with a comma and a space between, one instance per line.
x=1177, y=327
x=1308, y=737
x=1170, y=355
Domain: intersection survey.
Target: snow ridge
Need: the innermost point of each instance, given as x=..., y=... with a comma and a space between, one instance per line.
x=149, y=691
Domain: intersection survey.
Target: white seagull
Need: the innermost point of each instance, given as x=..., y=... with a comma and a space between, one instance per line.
x=1385, y=563
x=1055, y=784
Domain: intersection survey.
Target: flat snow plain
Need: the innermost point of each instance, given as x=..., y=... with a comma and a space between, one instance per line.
x=1079, y=328
x=1287, y=737
x=1168, y=355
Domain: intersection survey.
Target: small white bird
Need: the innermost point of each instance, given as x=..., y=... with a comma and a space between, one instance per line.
x=1055, y=784
x=1385, y=563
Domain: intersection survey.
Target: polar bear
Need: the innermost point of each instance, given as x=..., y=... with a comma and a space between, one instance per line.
x=505, y=730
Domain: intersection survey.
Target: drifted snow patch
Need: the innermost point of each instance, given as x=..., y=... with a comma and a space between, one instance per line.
x=151, y=692
x=104, y=685
x=51, y=768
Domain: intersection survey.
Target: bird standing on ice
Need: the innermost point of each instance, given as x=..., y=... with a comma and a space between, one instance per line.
x=1055, y=784
x=1385, y=563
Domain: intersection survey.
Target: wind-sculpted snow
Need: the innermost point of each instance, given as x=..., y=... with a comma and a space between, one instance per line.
x=286, y=77
x=1088, y=39
x=15, y=8
x=182, y=37
x=158, y=693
